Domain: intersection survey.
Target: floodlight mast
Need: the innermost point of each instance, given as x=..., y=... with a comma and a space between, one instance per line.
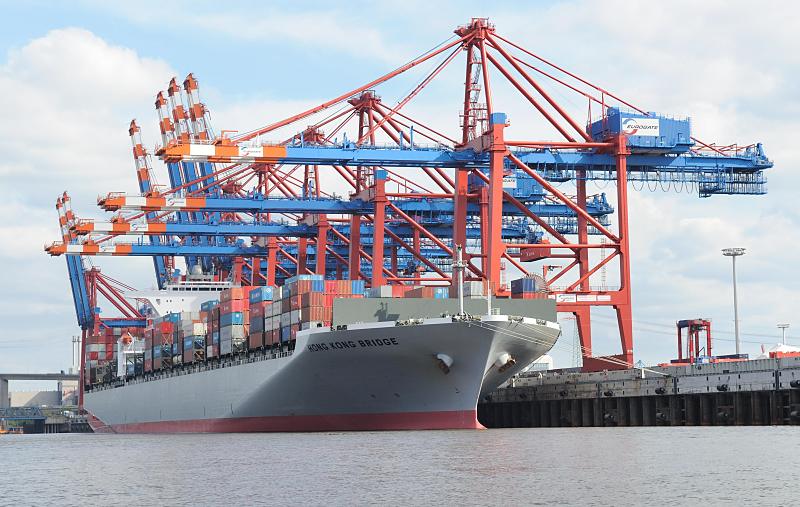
x=733, y=253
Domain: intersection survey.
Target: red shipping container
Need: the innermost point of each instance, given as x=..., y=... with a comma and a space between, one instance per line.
x=295, y=302
x=256, y=340
x=165, y=328
x=259, y=309
x=92, y=356
x=399, y=291
x=236, y=305
x=109, y=354
x=148, y=365
x=303, y=287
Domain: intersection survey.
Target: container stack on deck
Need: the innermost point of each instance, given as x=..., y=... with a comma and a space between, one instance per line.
x=234, y=320
x=260, y=312
x=528, y=288
x=210, y=311
x=101, y=354
x=193, y=336
x=249, y=319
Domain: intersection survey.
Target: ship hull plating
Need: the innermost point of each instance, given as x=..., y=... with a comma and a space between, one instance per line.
x=370, y=377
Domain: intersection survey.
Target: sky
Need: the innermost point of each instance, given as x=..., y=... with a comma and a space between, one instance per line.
x=72, y=77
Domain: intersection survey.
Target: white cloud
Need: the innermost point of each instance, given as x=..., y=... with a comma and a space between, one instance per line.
x=68, y=97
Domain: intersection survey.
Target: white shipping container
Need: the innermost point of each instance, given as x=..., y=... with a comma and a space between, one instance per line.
x=286, y=319
x=295, y=316
x=225, y=347
x=230, y=332
x=383, y=291
x=193, y=328
x=190, y=316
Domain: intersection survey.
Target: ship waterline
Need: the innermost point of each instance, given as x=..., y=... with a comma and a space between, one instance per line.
x=426, y=374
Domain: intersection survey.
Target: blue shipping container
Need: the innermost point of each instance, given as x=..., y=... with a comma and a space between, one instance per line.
x=256, y=324
x=291, y=280
x=358, y=286
x=260, y=294
x=231, y=319
x=209, y=305
x=441, y=292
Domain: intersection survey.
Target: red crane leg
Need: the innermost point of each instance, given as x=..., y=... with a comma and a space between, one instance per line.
x=302, y=249
x=378, y=224
x=238, y=263
x=460, y=209
x=322, y=244
x=624, y=308
x=583, y=320
x=483, y=206
x=708, y=338
x=496, y=247
x=355, y=244
x=272, y=259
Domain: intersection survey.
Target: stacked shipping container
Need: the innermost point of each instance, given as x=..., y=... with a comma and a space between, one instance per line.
x=101, y=354
x=234, y=320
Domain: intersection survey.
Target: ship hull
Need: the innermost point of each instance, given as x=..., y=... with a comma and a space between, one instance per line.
x=369, y=377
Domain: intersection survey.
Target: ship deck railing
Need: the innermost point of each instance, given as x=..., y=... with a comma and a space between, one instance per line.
x=252, y=356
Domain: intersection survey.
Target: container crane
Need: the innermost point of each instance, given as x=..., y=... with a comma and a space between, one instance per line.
x=258, y=207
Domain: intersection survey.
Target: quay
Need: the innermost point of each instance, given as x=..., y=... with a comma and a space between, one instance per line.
x=755, y=392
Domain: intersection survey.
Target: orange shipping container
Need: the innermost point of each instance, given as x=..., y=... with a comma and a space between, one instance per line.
x=313, y=299
x=316, y=313
x=235, y=293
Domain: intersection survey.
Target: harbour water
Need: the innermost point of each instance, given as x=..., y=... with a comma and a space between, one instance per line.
x=574, y=466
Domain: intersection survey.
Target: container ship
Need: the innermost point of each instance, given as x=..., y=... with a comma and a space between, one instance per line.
x=312, y=355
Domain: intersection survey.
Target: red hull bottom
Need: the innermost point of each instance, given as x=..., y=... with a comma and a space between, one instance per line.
x=445, y=420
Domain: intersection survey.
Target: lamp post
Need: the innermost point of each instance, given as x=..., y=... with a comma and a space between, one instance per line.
x=733, y=253
x=783, y=328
